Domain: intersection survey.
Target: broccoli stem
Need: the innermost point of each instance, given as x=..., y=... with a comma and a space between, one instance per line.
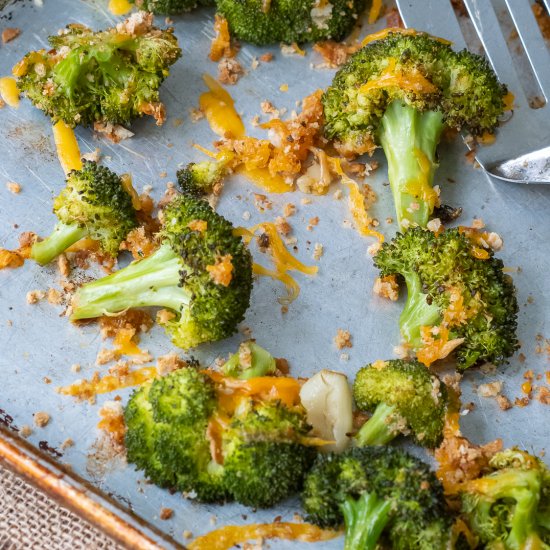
x=62, y=237
x=417, y=312
x=153, y=281
x=379, y=428
x=409, y=139
x=365, y=519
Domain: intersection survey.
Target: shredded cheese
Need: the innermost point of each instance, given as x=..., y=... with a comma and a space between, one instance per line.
x=9, y=91
x=67, y=147
x=119, y=7
x=374, y=12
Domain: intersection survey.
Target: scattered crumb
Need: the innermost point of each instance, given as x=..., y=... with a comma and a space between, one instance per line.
x=25, y=430
x=289, y=209
x=187, y=534
x=246, y=215
x=166, y=513
x=503, y=402
x=266, y=57
x=229, y=71
x=401, y=351
x=344, y=357
x=492, y=389
x=386, y=287
x=268, y=108
x=34, y=296
x=47, y=380
x=67, y=443
x=63, y=265
x=105, y=356
x=374, y=248
x=9, y=34
x=41, y=419
x=75, y=368
x=113, y=132
x=13, y=187
x=478, y=223
x=318, y=251
x=195, y=114
x=312, y=223
x=305, y=200
x=262, y=203
x=433, y=225
x=54, y=296
x=283, y=87
x=494, y=240
x=282, y=226
x=543, y=395
x=93, y=156
x=337, y=195
x=334, y=53
x=169, y=363
x=342, y=339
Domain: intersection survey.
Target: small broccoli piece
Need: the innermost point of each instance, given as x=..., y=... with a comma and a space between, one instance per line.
x=264, y=461
x=110, y=76
x=95, y=204
x=377, y=491
x=201, y=179
x=470, y=300
x=188, y=432
x=289, y=21
x=508, y=507
x=201, y=271
x=404, y=398
x=250, y=361
x=400, y=92
x=171, y=7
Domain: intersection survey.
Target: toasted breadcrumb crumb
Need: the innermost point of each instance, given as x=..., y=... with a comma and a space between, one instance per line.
x=318, y=251
x=268, y=107
x=503, y=402
x=9, y=34
x=342, y=339
x=374, y=248
x=312, y=223
x=25, y=430
x=478, y=223
x=41, y=419
x=386, y=287
x=262, y=203
x=105, y=356
x=169, y=363
x=76, y=368
x=187, y=534
x=166, y=513
x=34, y=296
x=195, y=114
x=63, y=265
x=67, y=443
x=491, y=389
x=282, y=226
x=266, y=57
x=289, y=209
x=54, y=296
x=229, y=71
x=13, y=187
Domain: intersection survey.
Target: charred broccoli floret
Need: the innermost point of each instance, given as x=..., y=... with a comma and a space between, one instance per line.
x=459, y=298
x=171, y=7
x=405, y=398
x=202, y=272
x=289, y=21
x=509, y=508
x=95, y=204
x=378, y=492
x=220, y=437
x=200, y=179
x=400, y=92
x=110, y=76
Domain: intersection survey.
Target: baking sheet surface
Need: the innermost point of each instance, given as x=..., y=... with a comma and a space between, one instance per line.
x=38, y=345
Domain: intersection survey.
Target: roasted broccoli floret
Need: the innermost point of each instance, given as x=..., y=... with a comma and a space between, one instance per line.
x=202, y=432
x=95, y=204
x=459, y=299
x=378, y=492
x=200, y=179
x=110, y=76
x=202, y=272
x=405, y=398
x=289, y=21
x=250, y=361
x=171, y=7
x=400, y=92
x=509, y=507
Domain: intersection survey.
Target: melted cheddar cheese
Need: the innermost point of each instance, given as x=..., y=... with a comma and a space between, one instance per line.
x=67, y=147
x=119, y=7
x=9, y=91
x=374, y=12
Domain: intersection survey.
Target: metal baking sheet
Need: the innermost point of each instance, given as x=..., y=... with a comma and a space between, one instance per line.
x=37, y=344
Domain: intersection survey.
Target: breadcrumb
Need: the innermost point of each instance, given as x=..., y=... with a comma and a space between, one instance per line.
x=195, y=114
x=13, y=187
x=282, y=226
x=503, y=402
x=433, y=225
x=289, y=209
x=63, y=265
x=105, y=356
x=266, y=57
x=54, y=296
x=67, y=443
x=229, y=71
x=318, y=251
x=386, y=287
x=342, y=339
x=41, y=419
x=25, y=431
x=166, y=513
x=169, y=363
x=9, y=34
x=34, y=296
x=491, y=389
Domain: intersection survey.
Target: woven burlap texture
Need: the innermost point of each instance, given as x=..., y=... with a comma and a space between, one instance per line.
x=29, y=519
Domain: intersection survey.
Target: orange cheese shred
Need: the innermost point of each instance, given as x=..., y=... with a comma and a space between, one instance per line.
x=67, y=147
x=231, y=535
x=222, y=271
x=374, y=12
x=221, y=44
x=9, y=91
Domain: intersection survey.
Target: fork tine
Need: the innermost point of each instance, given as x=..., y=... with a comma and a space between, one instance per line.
x=441, y=21
x=487, y=26
x=532, y=41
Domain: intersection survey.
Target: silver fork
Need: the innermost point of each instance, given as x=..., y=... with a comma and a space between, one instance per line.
x=521, y=152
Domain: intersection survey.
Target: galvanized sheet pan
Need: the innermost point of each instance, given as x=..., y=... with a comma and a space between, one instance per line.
x=36, y=343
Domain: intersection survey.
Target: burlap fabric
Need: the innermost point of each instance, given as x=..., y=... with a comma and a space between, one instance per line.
x=30, y=520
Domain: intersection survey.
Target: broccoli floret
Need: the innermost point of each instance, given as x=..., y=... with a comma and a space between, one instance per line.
x=201, y=271
x=458, y=297
x=110, y=76
x=171, y=7
x=200, y=179
x=404, y=398
x=289, y=21
x=377, y=491
x=94, y=203
x=508, y=507
x=187, y=432
x=400, y=92
x=250, y=361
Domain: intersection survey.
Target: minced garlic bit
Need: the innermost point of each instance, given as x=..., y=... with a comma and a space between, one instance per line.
x=34, y=296
x=434, y=225
x=494, y=240
x=318, y=251
x=374, y=248
x=41, y=419
x=92, y=156
x=342, y=339
x=386, y=287
x=491, y=389
x=13, y=187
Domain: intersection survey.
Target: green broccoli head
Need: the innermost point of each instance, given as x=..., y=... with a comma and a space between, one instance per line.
x=400, y=92
x=171, y=7
x=405, y=398
x=289, y=21
x=95, y=204
x=110, y=76
x=458, y=299
x=202, y=272
x=508, y=507
x=201, y=179
x=377, y=491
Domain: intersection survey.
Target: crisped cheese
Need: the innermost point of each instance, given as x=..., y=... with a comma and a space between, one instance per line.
x=67, y=147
